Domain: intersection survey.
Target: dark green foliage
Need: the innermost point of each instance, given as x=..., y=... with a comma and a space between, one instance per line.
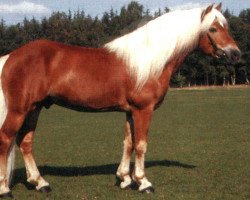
x=80, y=29
x=245, y=15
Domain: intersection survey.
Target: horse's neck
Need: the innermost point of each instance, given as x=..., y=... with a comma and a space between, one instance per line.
x=177, y=60
x=170, y=68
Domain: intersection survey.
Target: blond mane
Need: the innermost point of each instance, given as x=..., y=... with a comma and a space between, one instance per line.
x=147, y=50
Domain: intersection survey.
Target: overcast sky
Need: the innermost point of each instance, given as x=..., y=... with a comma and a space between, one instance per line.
x=13, y=11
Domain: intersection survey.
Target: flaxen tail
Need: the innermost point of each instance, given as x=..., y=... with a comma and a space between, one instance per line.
x=3, y=113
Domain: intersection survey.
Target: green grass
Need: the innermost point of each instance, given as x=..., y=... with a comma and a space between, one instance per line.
x=199, y=148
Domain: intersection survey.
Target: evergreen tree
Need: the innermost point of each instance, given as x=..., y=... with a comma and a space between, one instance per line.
x=245, y=15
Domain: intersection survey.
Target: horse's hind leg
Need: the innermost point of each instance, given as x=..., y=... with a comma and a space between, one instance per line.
x=24, y=141
x=10, y=127
x=123, y=172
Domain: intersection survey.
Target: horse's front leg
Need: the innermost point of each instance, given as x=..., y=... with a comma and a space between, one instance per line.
x=123, y=172
x=142, y=120
x=24, y=141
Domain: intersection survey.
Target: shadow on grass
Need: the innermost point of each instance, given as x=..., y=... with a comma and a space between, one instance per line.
x=20, y=174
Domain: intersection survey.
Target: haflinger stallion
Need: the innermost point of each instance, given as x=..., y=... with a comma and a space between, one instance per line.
x=130, y=74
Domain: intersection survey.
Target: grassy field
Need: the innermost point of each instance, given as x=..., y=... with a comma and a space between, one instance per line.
x=199, y=148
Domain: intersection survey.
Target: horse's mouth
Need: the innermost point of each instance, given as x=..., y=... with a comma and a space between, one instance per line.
x=220, y=54
x=232, y=56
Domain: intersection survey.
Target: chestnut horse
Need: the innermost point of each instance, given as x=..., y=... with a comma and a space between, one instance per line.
x=130, y=74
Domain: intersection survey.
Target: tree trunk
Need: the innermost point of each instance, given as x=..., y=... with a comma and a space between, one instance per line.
x=215, y=80
x=224, y=81
x=207, y=82
x=247, y=81
x=233, y=79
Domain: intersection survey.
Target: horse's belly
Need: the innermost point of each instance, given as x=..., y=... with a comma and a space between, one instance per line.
x=92, y=99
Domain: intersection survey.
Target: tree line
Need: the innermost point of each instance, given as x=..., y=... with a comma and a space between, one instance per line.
x=77, y=28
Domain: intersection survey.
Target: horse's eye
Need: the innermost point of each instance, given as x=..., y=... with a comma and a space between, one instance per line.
x=213, y=30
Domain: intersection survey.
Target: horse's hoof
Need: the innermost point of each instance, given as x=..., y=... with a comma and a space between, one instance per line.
x=148, y=190
x=134, y=186
x=6, y=196
x=122, y=184
x=125, y=185
x=45, y=189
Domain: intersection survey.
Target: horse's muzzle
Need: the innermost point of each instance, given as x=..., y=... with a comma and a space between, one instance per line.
x=233, y=55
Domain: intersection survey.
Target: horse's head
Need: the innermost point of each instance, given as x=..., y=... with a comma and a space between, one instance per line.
x=215, y=39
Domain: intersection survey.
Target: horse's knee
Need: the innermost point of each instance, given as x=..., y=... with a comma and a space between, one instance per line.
x=25, y=148
x=141, y=148
x=128, y=146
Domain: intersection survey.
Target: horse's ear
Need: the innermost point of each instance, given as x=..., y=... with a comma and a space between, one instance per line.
x=219, y=7
x=206, y=11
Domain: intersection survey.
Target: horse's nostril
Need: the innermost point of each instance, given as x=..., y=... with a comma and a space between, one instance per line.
x=235, y=55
